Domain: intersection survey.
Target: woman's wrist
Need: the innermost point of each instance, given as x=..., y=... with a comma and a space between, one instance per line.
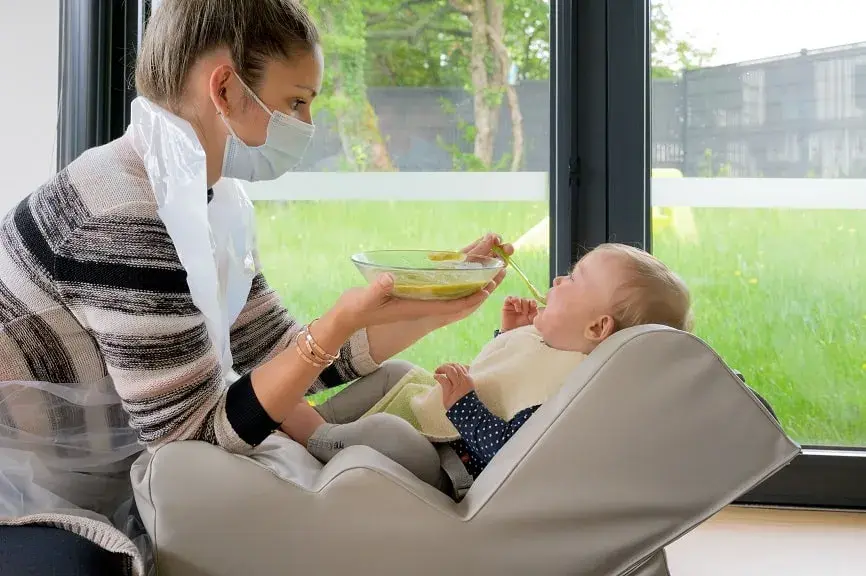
x=332, y=330
x=388, y=340
x=280, y=383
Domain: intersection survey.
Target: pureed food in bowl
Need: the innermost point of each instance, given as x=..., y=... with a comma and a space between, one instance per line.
x=426, y=275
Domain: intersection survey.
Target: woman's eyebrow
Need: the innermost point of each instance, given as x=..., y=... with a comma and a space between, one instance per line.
x=308, y=89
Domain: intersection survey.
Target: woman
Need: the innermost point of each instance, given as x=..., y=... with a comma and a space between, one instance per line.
x=95, y=291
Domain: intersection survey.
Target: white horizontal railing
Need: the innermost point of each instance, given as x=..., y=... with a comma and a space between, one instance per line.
x=417, y=186
x=804, y=193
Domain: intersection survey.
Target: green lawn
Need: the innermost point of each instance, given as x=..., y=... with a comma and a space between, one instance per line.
x=779, y=294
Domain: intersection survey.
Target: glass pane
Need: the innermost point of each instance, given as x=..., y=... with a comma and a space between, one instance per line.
x=759, y=195
x=414, y=150
x=29, y=37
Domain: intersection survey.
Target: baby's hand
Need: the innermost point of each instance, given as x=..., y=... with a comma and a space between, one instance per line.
x=455, y=381
x=517, y=312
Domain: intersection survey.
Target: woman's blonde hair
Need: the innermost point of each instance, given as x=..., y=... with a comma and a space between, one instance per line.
x=179, y=32
x=652, y=292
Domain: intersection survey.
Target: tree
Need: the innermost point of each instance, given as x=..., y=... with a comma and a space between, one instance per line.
x=484, y=46
x=671, y=54
x=468, y=43
x=344, y=95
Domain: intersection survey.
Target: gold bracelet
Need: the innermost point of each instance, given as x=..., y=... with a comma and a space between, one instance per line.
x=314, y=347
x=308, y=357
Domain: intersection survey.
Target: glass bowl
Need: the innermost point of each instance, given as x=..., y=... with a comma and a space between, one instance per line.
x=429, y=275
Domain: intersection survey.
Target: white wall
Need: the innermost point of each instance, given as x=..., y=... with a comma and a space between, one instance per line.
x=29, y=43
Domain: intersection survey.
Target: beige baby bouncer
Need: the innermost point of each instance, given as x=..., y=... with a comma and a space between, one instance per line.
x=651, y=436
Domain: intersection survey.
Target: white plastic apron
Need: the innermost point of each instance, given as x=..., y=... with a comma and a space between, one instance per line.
x=89, y=467
x=215, y=242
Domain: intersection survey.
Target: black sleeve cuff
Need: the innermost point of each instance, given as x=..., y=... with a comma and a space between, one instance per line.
x=245, y=413
x=330, y=377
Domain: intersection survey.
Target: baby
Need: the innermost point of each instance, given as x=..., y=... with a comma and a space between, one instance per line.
x=613, y=287
x=474, y=410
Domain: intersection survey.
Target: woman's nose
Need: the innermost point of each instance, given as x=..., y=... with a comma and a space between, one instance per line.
x=305, y=117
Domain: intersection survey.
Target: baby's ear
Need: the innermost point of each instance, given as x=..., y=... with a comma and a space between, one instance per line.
x=600, y=328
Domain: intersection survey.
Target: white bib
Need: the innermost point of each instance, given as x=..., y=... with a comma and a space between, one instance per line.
x=515, y=371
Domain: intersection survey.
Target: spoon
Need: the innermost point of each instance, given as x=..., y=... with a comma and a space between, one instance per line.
x=510, y=262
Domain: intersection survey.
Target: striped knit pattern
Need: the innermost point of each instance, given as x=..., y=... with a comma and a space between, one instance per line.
x=91, y=285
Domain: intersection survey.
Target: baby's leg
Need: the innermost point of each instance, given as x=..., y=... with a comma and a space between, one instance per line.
x=348, y=405
x=391, y=436
x=358, y=397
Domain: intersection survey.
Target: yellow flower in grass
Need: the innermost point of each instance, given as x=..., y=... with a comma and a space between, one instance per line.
x=753, y=280
x=864, y=366
x=737, y=273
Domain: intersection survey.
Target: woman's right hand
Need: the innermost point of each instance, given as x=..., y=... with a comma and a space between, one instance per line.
x=374, y=305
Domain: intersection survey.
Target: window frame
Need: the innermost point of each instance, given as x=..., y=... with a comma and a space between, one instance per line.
x=98, y=43
x=600, y=191
x=599, y=173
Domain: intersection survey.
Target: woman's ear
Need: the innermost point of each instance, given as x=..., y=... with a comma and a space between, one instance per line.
x=220, y=85
x=600, y=328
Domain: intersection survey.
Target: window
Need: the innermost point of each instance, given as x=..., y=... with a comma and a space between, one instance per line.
x=766, y=213
x=29, y=38
x=734, y=155
x=764, y=210
x=413, y=151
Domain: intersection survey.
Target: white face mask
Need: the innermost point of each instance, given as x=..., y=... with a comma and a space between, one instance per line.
x=286, y=142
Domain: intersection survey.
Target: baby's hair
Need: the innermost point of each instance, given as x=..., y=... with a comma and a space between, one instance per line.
x=652, y=292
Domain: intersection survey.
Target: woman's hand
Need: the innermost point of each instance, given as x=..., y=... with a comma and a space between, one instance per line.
x=518, y=312
x=484, y=246
x=455, y=381
x=374, y=305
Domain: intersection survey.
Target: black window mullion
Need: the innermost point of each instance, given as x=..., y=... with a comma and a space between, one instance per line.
x=563, y=148
x=98, y=43
x=628, y=172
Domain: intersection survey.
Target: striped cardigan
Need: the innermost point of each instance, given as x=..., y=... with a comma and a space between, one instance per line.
x=91, y=286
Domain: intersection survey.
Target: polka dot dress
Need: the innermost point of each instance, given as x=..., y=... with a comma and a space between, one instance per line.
x=482, y=434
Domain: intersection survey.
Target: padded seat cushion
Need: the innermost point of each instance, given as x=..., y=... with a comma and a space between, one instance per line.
x=651, y=435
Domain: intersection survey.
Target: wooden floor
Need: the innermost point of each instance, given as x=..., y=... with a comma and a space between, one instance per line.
x=767, y=542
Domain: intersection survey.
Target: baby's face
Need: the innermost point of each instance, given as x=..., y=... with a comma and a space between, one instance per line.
x=579, y=305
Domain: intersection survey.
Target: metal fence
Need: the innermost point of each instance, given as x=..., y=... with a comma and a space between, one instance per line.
x=796, y=116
